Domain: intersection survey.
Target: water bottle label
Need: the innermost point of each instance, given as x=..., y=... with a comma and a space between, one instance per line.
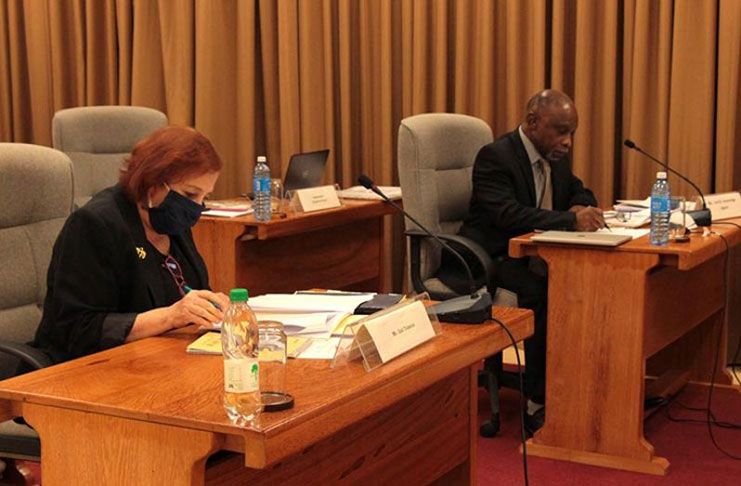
x=660, y=204
x=260, y=184
x=241, y=375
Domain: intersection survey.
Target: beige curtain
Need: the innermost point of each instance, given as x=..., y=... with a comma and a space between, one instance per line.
x=278, y=77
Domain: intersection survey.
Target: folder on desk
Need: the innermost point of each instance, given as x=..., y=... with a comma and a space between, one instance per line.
x=379, y=302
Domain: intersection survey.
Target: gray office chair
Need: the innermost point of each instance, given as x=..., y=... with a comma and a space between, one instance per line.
x=36, y=198
x=436, y=154
x=97, y=138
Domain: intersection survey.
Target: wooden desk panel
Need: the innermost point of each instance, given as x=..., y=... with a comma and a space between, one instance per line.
x=613, y=313
x=338, y=248
x=101, y=417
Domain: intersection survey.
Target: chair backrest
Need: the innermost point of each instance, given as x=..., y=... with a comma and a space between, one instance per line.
x=97, y=138
x=36, y=198
x=436, y=152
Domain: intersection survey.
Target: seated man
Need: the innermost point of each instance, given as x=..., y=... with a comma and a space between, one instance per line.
x=523, y=182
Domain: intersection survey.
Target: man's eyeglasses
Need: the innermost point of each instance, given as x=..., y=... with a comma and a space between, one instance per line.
x=173, y=267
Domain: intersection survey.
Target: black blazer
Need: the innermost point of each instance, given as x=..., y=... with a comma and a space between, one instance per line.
x=503, y=202
x=98, y=282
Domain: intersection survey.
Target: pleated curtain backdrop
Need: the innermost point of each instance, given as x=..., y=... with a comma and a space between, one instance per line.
x=283, y=76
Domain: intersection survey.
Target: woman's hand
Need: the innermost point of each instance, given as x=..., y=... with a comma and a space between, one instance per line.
x=201, y=307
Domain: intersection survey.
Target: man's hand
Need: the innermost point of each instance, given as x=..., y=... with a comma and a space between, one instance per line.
x=589, y=219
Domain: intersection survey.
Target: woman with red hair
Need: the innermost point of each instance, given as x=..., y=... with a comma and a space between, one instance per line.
x=125, y=266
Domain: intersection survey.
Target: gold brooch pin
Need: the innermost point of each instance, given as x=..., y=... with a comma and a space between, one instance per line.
x=141, y=253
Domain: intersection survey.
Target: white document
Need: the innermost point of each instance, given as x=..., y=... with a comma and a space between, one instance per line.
x=225, y=213
x=305, y=303
x=320, y=349
x=315, y=324
x=642, y=203
x=360, y=192
x=635, y=219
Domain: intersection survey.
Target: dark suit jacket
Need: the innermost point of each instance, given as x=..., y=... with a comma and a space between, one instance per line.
x=97, y=281
x=503, y=202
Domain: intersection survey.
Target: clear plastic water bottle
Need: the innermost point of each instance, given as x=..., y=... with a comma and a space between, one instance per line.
x=660, y=211
x=261, y=189
x=239, y=340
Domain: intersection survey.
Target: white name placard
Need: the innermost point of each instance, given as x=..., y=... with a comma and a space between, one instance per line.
x=726, y=205
x=399, y=331
x=317, y=198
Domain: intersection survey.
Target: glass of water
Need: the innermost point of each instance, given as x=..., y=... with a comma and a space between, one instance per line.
x=272, y=348
x=277, y=196
x=677, y=220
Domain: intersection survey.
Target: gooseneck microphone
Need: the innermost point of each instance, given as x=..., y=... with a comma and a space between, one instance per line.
x=474, y=308
x=702, y=217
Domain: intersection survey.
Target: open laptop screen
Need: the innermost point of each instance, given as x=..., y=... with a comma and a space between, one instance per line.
x=305, y=170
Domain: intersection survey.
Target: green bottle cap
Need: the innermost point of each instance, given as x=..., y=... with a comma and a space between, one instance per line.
x=239, y=295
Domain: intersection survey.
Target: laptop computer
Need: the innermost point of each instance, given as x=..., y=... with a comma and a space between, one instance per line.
x=581, y=238
x=305, y=170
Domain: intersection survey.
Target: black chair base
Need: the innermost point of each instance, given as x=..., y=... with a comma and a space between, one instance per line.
x=490, y=428
x=493, y=377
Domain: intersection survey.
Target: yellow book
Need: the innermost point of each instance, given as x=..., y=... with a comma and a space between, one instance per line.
x=209, y=343
x=296, y=345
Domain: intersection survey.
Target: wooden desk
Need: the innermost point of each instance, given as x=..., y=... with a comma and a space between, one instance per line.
x=334, y=249
x=609, y=310
x=148, y=413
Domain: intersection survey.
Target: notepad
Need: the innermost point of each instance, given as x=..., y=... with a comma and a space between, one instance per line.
x=209, y=343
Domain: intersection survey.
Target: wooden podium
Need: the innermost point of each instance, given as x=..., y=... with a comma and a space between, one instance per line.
x=615, y=315
x=148, y=413
x=339, y=248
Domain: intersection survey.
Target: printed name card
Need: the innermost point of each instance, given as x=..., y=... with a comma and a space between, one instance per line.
x=317, y=198
x=726, y=205
x=399, y=331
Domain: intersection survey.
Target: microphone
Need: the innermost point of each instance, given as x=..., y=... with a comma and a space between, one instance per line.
x=472, y=309
x=702, y=217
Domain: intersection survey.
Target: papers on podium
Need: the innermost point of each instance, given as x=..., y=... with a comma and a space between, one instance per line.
x=360, y=192
x=308, y=302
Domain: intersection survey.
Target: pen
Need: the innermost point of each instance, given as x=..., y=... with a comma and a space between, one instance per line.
x=606, y=225
x=187, y=289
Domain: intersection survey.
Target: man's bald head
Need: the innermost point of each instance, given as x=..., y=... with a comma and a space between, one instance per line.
x=550, y=123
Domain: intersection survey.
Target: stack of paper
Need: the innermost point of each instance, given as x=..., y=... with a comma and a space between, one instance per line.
x=308, y=303
x=360, y=192
x=634, y=219
x=224, y=213
x=315, y=324
x=313, y=321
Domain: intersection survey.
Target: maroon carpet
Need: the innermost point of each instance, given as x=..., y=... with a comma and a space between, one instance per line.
x=694, y=460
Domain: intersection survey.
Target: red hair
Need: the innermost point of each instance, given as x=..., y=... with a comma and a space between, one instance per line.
x=170, y=154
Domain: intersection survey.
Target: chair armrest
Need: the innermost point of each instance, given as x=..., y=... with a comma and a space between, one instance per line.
x=483, y=257
x=32, y=356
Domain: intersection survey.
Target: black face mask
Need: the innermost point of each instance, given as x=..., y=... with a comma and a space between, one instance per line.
x=176, y=215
